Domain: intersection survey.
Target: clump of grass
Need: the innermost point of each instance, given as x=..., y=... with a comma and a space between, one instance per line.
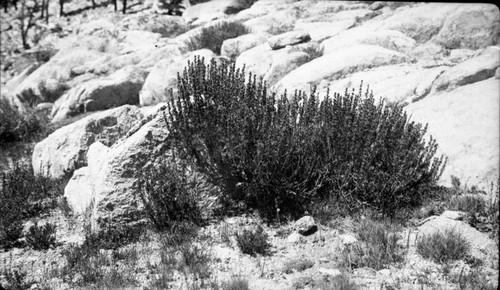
x=41, y=237
x=377, y=248
x=340, y=282
x=297, y=265
x=482, y=210
x=89, y=265
x=474, y=279
x=236, y=283
x=443, y=246
x=253, y=241
x=168, y=196
x=16, y=279
x=113, y=237
x=182, y=252
x=212, y=37
x=225, y=234
x=195, y=259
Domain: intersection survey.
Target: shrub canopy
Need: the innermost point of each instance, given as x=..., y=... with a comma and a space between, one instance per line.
x=280, y=153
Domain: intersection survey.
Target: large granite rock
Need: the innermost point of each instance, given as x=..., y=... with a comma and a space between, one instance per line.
x=337, y=65
x=120, y=88
x=420, y=22
x=471, y=26
x=110, y=180
x=273, y=65
x=288, y=38
x=235, y=46
x=477, y=68
x=389, y=39
x=65, y=150
x=463, y=123
x=395, y=83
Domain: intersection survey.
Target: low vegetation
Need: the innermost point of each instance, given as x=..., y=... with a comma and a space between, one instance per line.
x=16, y=279
x=253, y=241
x=236, y=283
x=443, y=246
x=22, y=196
x=377, y=248
x=15, y=126
x=41, y=237
x=297, y=265
x=341, y=282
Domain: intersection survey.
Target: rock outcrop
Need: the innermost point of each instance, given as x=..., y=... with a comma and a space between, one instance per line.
x=111, y=176
x=337, y=65
x=65, y=150
x=120, y=88
x=461, y=122
x=233, y=47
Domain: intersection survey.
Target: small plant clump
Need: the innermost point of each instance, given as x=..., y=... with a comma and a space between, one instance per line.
x=443, y=246
x=377, y=248
x=236, y=283
x=168, y=197
x=212, y=37
x=16, y=127
x=282, y=153
x=24, y=195
x=16, y=279
x=41, y=237
x=297, y=265
x=87, y=264
x=340, y=282
x=253, y=241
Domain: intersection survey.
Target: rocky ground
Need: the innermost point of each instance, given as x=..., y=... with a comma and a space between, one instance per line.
x=105, y=76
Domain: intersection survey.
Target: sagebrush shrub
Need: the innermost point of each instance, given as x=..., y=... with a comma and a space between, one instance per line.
x=284, y=152
x=443, y=246
x=212, y=37
x=41, y=237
